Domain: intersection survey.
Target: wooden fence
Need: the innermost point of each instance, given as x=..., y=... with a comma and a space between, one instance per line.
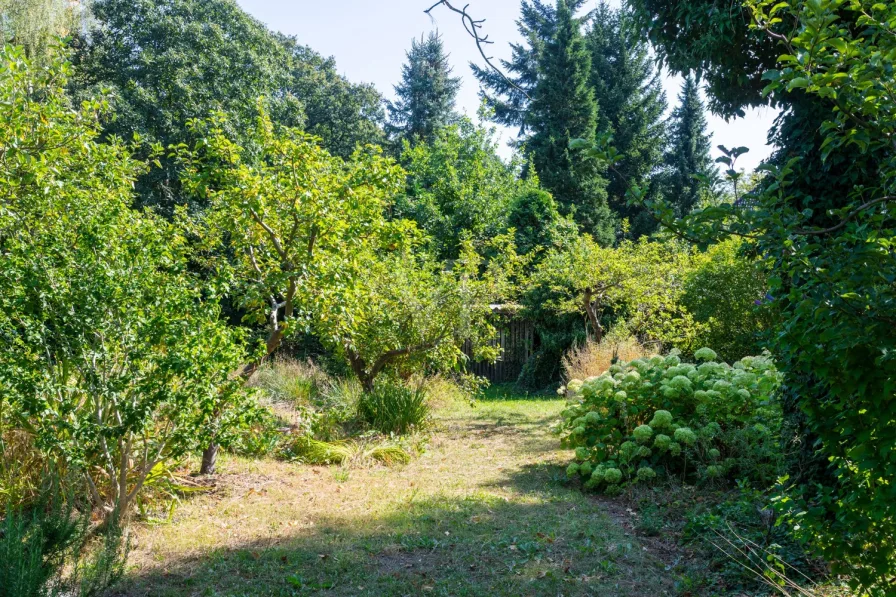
x=516, y=338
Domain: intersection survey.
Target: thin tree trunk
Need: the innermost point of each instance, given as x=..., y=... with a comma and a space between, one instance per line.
x=275, y=338
x=209, y=459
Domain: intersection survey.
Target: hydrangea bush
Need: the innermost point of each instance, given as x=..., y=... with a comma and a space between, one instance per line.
x=659, y=417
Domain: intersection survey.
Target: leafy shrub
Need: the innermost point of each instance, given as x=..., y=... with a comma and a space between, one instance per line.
x=721, y=292
x=393, y=407
x=745, y=547
x=111, y=356
x=659, y=416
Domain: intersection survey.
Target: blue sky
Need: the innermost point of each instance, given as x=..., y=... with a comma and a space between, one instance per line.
x=368, y=39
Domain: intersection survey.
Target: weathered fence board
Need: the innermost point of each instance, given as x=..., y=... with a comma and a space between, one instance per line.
x=516, y=339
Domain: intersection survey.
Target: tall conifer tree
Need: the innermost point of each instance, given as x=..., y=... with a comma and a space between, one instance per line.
x=563, y=109
x=426, y=94
x=688, y=154
x=510, y=100
x=632, y=104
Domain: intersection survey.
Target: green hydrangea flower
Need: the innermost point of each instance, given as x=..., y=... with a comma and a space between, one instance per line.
x=644, y=452
x=685, y=436
x=593, y=418
x=590, y=483
x=645, y=473
x=620, y=395
x=597, y=474
x=581, y=453
x=711, y=430
x=643, y=433
x=662, y=442
x=612, y=476
x=673, y=360
x=615, y=369
x=632, y=377
x=721, y=386
x=715, y=454
x=743, y=393
x=572, y=470
x=661, y=419
x=681, y=382
x=585, y=469
x=705, y=354
x=604, y=383
x=574, y=386
x=580, y=430
x=675, y=449
x=628, y=448
x=714, y=471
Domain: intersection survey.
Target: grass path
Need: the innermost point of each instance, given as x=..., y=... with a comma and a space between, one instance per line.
x=483, y=512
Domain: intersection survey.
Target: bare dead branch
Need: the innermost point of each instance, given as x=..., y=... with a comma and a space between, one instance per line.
x=473, y=27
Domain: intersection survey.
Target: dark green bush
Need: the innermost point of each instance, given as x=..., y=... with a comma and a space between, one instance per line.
x=393, y=407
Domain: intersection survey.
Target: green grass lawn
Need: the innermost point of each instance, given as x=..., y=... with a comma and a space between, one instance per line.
x=484, y=511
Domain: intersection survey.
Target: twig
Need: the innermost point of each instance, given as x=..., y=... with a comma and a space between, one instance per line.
x=473, y=26
x=848, y=217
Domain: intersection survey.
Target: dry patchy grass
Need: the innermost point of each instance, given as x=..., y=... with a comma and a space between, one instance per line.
x=485, y=511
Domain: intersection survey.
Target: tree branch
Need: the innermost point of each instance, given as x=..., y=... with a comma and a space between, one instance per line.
x=473, y=26
x=845, y=220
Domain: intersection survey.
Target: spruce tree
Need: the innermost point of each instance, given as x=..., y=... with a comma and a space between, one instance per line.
x=510, y=100
x=562, y=109
x=632, y=103
x=426, y=94
x=688, y=153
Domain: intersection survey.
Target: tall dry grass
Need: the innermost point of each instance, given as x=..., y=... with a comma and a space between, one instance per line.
x=593, y=358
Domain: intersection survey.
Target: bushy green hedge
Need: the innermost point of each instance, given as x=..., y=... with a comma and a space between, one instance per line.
x=661, y=417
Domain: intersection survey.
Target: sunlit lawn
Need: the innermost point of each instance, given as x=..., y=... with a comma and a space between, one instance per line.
x=485, y=511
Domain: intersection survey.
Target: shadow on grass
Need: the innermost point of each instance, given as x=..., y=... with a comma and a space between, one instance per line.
x=547, y=540
x=480, y=545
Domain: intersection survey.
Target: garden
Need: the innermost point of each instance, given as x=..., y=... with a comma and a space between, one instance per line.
x=257, y=321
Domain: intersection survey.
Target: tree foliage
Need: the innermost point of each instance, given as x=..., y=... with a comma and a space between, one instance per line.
x=35, y=25
x=690, y=173
x=425, y=97
x=171, y=61
x=822, y=220
x=631, y=106
x=563, y=109
x=458, y=187
x=111, y=354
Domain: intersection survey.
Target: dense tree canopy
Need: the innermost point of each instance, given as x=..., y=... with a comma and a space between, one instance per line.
x=36, y=24
x=458, y=186
x=690, y=174
x=631, y=106
x=171, y=61
x=563, y=109
x=822, y=224
x=110, y=352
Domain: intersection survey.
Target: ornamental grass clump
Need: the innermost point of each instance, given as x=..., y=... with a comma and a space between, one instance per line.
x=659, y=417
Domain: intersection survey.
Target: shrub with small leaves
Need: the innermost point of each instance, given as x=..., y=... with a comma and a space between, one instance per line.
x=659, y=416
